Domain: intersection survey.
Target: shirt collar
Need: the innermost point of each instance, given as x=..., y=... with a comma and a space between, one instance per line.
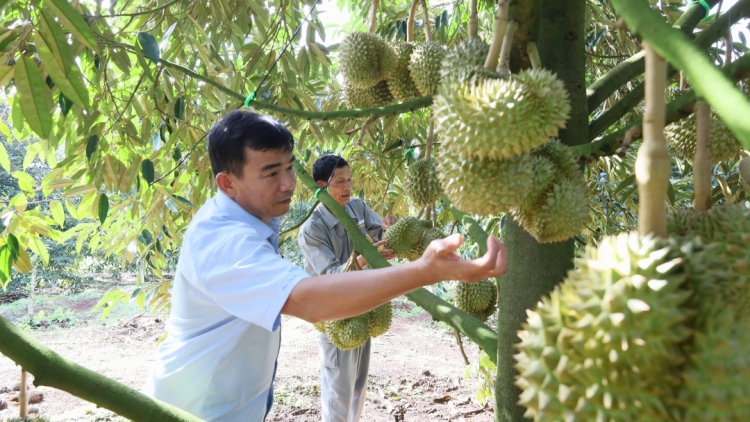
x=327, y=216
x=235, y=212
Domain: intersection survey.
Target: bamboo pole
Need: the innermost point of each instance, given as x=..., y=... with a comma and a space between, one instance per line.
x=501, y=24
x=473, y=20
x=533, y=52
x=702, y=161
x=503, y=66
x=374, y=16
x=23, y=396
x=427, y=23
x=652, y=161
x=412, y=20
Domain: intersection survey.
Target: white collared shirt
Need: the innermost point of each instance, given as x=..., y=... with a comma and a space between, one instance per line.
x=218, y=361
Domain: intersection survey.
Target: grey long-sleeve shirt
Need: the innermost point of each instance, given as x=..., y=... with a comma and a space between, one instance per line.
x=324, y=241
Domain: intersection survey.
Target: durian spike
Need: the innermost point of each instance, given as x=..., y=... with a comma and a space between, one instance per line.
x=473, y=21
x=652, y=161
x=427, y=24
x=745, y=173
x=501, y=24
x=533, y=52
x=23, y=397
x=503, y=66
x=374, y=16
x=702, y=161
x=412, y=20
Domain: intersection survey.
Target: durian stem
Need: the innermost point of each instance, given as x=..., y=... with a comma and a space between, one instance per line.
x=652, y=162
x=427, y=23
x=501, y=24
x=363, y=129
x=503, y=67
x=473, y=20
x=533, y=52
x=702, y=161
x=412, y=21
x=461, y=346
x=421, y=212
x=430, y=137
x=728, y=49
x=374, y=16
x=23, y=397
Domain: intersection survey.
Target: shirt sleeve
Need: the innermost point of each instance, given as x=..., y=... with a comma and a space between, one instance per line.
x=373, y=224
x=249, y=280
x=318, y=250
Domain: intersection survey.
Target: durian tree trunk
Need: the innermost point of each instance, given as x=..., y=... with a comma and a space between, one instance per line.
x=534, y=269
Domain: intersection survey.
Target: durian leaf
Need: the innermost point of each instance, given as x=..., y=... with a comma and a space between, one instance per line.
x=33, y=97
x=73, y=22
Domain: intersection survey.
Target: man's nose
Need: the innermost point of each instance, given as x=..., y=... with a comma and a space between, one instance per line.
x=288, y=183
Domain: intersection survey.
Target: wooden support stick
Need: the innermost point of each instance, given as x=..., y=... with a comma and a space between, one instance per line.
x=501, y=24
x=702, y=160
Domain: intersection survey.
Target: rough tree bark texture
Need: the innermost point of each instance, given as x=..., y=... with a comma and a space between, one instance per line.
x=535, y=269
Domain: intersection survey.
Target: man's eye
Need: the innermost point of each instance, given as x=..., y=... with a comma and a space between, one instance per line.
x=273, y=174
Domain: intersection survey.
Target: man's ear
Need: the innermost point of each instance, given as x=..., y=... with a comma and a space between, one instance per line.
x=321, y=183
x=225, y=183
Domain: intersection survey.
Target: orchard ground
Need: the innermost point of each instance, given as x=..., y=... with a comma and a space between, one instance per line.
x=416, y=366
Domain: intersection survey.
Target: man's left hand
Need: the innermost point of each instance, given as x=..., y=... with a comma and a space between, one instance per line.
x=388, y=221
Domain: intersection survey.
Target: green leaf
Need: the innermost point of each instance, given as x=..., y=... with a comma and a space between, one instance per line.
x=58, y=214
x=53, y=49
x=38, y=246
x=103, y=208
x=147, y=170
x=4, y=130
x=4, y=159
x=177, y=154
x=65, y=104
x=183, y=200
x=179, y=108
x=6, y=263
x=145, y=237
x=17, y=114
x=34, y=96
x=73, y=22
x=13, y=246
x=149, y=45
x=91, y=146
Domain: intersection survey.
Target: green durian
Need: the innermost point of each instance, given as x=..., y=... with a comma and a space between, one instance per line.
x=478, y=299
x=464, y=62
x=406, y=234
x=379, y=319
x=500, y=118
x=365, y=59
x=422, y=184
x=349, y=333
x=606, y=343
x=400, y=82
x=483, y=186
x=681, y=136
x=424, y=66
x=376, y=96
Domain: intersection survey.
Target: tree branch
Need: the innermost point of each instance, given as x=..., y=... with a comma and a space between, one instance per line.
x=708, y=80
x=618, y=76
x=55, y=371
x=441, y=310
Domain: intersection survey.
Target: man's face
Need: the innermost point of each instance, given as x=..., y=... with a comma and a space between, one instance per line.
x=340, y=186
x=267, y=184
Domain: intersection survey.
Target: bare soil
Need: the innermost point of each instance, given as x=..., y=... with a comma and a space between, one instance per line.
x=416, y=367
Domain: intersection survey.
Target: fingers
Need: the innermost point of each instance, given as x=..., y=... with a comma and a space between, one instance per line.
x=446, y=245
x=380, y=243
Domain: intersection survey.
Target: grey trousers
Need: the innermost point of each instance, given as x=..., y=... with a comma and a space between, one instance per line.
x=343, y=381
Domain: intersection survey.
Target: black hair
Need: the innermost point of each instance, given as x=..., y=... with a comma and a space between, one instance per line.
x=242, y=129
x=325, y=166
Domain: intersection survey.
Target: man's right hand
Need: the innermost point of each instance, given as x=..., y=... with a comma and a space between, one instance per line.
x=440, y=261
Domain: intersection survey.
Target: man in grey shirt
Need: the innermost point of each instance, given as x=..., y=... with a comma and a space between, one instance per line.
x=327, y=248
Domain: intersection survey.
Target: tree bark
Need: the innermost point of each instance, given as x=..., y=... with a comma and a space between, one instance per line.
x=534, y=269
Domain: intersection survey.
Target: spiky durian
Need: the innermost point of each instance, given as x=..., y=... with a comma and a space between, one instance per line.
x=424, y=67
x=605, y=344
x=348, y=333
x=403, y=236
x=499, y=118
x=478, y=299
x=681, y=136
x=400, y=82
x=422, y=183
x=380, y=319
x=376, y=96
x=365, y=59
x=484, y=186
x=464, y=62
x=559, y=213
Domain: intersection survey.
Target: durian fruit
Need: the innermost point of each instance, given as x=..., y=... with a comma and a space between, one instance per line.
x=379, y=319
x=376, y=96
x=428, y=236
x=500, y=118
x=400, y=82
x=478, y=299
x=365, y=59
x=681, y=137
x=349, y=333
x=464, y=62
x=407, y=233
x=422, y=184
x=605, y=344
x=717, y=377
x=483, y=186
x=424, y=66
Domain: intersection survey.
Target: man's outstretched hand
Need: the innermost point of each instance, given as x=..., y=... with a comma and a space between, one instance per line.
x=441, y=262
x=387, y=222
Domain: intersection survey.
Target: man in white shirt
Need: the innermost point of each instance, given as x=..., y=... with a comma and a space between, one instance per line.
x=231, y=286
